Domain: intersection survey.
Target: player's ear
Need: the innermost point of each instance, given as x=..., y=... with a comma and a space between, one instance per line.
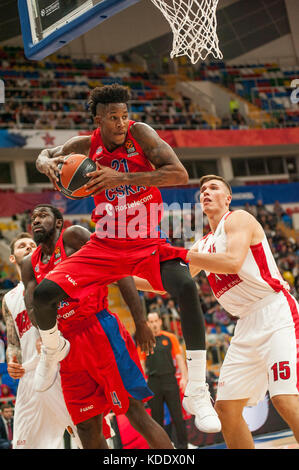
x=59, y=223
x=97, y=120
x=12, y=259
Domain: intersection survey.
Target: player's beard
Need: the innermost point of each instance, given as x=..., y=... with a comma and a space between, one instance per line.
x=43, y=236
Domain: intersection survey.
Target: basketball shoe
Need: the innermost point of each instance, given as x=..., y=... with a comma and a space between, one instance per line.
x=47, y=367
x=197, y=401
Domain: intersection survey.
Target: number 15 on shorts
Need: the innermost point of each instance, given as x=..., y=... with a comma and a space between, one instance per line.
x=281, y=370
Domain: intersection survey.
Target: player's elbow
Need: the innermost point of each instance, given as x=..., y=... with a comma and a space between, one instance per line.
x=236, y=266
x=183, y=177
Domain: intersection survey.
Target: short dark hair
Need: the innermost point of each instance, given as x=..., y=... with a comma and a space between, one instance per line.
x=108, y=94
x=6, y=405
x=18, y=237
x=56, y=212
x=206, y=178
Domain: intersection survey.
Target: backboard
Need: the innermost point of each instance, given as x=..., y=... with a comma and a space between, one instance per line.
x=48, y=25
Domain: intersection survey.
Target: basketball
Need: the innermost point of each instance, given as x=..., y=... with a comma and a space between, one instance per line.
x=72, y=178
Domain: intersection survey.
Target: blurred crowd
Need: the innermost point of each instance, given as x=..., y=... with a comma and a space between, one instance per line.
x=54, y=94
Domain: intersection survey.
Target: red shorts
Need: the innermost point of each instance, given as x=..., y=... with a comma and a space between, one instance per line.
x=102, y=369
x=103, y=261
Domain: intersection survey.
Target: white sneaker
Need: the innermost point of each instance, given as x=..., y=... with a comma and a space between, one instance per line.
x=198, y=403
x=47, y=367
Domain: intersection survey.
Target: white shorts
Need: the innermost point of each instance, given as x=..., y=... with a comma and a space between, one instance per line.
x=40, y=418
x=263, y=354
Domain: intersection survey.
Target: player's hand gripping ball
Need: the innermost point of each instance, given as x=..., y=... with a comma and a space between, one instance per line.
x=72, y=177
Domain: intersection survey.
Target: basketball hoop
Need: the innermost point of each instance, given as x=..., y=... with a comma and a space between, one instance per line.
x=193, y=23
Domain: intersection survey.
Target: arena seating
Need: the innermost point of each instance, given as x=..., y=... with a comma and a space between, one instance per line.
x=53, y=94
x=264, y=85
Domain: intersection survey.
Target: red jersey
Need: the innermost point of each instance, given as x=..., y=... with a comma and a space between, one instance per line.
x=127, y=211
x=71, y=311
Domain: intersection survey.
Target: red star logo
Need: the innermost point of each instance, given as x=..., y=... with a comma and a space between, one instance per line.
x=49, y=140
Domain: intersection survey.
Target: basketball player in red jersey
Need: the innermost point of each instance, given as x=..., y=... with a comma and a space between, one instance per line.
x=132, y=161
x=102, y=371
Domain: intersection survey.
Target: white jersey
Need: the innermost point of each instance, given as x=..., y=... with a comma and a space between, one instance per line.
x=255, y=283
x=40, y=419
x=27, y=333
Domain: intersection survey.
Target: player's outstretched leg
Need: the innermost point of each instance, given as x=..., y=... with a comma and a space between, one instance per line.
x=55, y=348
x=178, y=282
x=91, y=433
x=153, y=433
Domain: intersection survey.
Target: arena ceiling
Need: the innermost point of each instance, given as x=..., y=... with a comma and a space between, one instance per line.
x=243, y=25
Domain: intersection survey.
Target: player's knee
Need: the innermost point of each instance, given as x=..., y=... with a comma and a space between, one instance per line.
x=187, y=288
x=46, y=294
x=228, y=412
x=223, y=410
x=39, y=296
x=286, y=405
x=136, y=413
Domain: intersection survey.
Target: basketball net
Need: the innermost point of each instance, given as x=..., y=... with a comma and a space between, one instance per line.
x=193, y=23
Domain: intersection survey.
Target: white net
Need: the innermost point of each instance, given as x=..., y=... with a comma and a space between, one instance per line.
x=194, y=24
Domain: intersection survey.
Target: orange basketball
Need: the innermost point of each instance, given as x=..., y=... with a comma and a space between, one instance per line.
x=72, y=178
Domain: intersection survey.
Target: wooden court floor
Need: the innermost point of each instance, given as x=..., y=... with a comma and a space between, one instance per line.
x=280, y=440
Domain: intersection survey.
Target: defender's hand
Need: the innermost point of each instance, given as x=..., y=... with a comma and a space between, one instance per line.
x=14, y=369
x=145, y=338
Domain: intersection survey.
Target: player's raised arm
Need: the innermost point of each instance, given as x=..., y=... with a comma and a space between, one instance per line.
x=48, y=160
x=239, y=228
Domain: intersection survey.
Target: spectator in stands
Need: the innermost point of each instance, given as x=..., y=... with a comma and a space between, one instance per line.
x=218, y=339
x=233, y=105
x=278, y=210
x=242, y=123
x=172, y=310
x=250, y=209
x=225, y=122
x=220, y=317
x=164, y=313
x=261, y=209
x=6, y=281
x=212, y=346
x=42, y=122
x=6, y=426
x=234, y=124
x=7, y=394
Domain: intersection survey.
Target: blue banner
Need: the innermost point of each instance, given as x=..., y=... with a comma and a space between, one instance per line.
x=268, y=194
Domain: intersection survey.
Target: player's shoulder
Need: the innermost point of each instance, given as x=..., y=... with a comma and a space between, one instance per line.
x=76, y=230
x=238, y=217
x=142, y=130
x=75, y=236
x=12, y=293
x=78, y=143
